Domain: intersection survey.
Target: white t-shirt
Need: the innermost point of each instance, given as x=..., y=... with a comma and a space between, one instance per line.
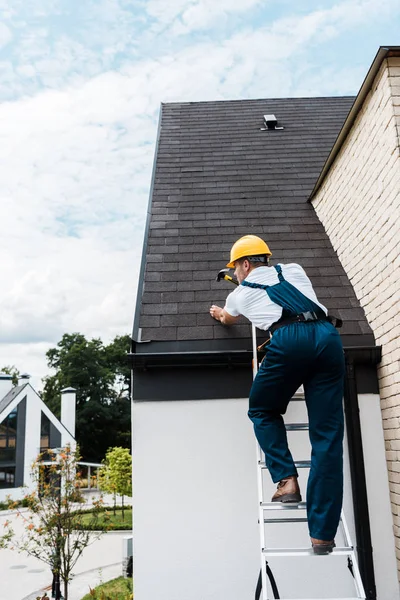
x=256, y=305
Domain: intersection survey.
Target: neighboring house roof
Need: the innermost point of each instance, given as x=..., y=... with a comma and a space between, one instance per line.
x=217, y=177
x=383, y=53
x=8, y=398
x=16, y=391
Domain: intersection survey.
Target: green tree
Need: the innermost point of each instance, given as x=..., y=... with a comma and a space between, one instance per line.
x=115, y=477
x=12, y=370
x=53, y=530
x=100, y=373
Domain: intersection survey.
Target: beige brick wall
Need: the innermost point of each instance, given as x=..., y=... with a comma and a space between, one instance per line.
x=359, y=205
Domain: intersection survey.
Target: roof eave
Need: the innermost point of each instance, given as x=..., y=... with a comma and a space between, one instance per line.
x=383, y=53
x=235, y=358
x=140, y=289
x=146, y=360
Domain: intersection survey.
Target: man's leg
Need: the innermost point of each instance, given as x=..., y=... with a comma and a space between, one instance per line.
x=270, y=394
x=324, y=397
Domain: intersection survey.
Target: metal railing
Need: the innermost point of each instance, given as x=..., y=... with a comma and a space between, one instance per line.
x=92, y=480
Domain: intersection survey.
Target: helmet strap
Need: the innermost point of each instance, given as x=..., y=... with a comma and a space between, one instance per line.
x=257, y=260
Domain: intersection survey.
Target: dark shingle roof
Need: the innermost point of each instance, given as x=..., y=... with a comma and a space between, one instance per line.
x=218, y=176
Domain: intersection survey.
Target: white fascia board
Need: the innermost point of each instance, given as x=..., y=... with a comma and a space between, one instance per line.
x=61, y=428
x=20, y=396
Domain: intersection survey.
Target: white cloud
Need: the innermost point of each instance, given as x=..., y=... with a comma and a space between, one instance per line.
x=185, y=16
x=75, y=164
x=5, y=35
x=192, y=15
x=73, y=193
x=34, y=356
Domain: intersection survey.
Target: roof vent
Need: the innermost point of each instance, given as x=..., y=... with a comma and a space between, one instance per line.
x=270, y=122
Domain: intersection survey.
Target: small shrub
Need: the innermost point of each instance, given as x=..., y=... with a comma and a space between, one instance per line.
x=116, y=589
x=10, y=504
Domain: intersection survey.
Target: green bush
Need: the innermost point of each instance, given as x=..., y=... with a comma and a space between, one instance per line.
x=12, y=504
x=111, y=521
x=116, y=589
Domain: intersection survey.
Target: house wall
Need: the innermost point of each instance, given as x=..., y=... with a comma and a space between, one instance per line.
x=359, y=205
x=195, y=505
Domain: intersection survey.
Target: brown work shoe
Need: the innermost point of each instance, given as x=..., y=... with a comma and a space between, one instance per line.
x=288, y=490
x=322, y=546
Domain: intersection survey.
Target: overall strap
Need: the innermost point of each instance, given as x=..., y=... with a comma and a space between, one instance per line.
x=292, y=301
x=259, y=286
x=296, y=307
x=278, y=269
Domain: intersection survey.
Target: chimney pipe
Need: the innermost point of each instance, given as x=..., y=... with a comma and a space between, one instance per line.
x=23, y=378
x=6, y=384
x=68, y=409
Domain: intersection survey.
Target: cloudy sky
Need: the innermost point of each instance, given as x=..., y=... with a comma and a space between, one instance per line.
x=81, y=83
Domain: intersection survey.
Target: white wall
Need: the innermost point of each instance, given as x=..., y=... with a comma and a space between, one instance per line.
x=195, y=506
x=380, y=513
x=14, y=493
x=195, y=501
x=32, y=434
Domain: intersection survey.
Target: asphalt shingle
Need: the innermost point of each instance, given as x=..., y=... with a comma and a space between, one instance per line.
x=219, y=176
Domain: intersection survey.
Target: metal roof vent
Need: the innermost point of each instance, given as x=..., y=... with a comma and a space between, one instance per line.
x=270, y=122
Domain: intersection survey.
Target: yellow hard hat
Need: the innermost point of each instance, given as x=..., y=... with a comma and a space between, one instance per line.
x=248, y=245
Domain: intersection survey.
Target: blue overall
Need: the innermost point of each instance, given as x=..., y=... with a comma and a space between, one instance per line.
x=308, y=353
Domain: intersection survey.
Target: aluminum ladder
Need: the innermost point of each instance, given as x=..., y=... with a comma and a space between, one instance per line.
x=287, y=514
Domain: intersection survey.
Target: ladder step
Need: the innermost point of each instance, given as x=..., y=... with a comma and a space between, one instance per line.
x=300, y=464
x=282, y=506
x=296, y=427
x=304, y=551
x=299, y=393
x=288, y=520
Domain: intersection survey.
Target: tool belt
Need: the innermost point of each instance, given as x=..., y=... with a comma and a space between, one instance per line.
x=306, y=317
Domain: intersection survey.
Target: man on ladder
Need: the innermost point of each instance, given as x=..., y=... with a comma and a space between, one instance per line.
x=305, y=349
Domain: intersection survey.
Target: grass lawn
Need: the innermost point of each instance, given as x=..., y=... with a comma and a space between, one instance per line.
x=116, y=589
x=113, y=521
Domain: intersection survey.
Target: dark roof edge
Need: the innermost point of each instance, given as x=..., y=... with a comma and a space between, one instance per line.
x=370, y=355
x=366, y=355
x=140, y=289
x=214, y=358
x=383, y=53
x=260, y=99
x=229, y=344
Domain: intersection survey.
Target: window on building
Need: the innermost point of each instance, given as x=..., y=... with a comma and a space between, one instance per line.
x=7, y=477
x=44, y=433
x=8, y=437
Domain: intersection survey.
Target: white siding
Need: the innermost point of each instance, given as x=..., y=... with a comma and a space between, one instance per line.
x=195, y=506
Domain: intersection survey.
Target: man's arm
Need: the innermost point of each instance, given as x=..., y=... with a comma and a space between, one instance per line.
x=220, y=314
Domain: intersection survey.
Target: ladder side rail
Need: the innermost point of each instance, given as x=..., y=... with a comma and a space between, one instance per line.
x=357, y=576
x=261, y=528
x=348, y=542
x=346, y=532
x=259, y=480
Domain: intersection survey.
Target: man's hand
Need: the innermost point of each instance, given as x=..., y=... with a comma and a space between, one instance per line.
x=219, y=314
x=216, y=312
